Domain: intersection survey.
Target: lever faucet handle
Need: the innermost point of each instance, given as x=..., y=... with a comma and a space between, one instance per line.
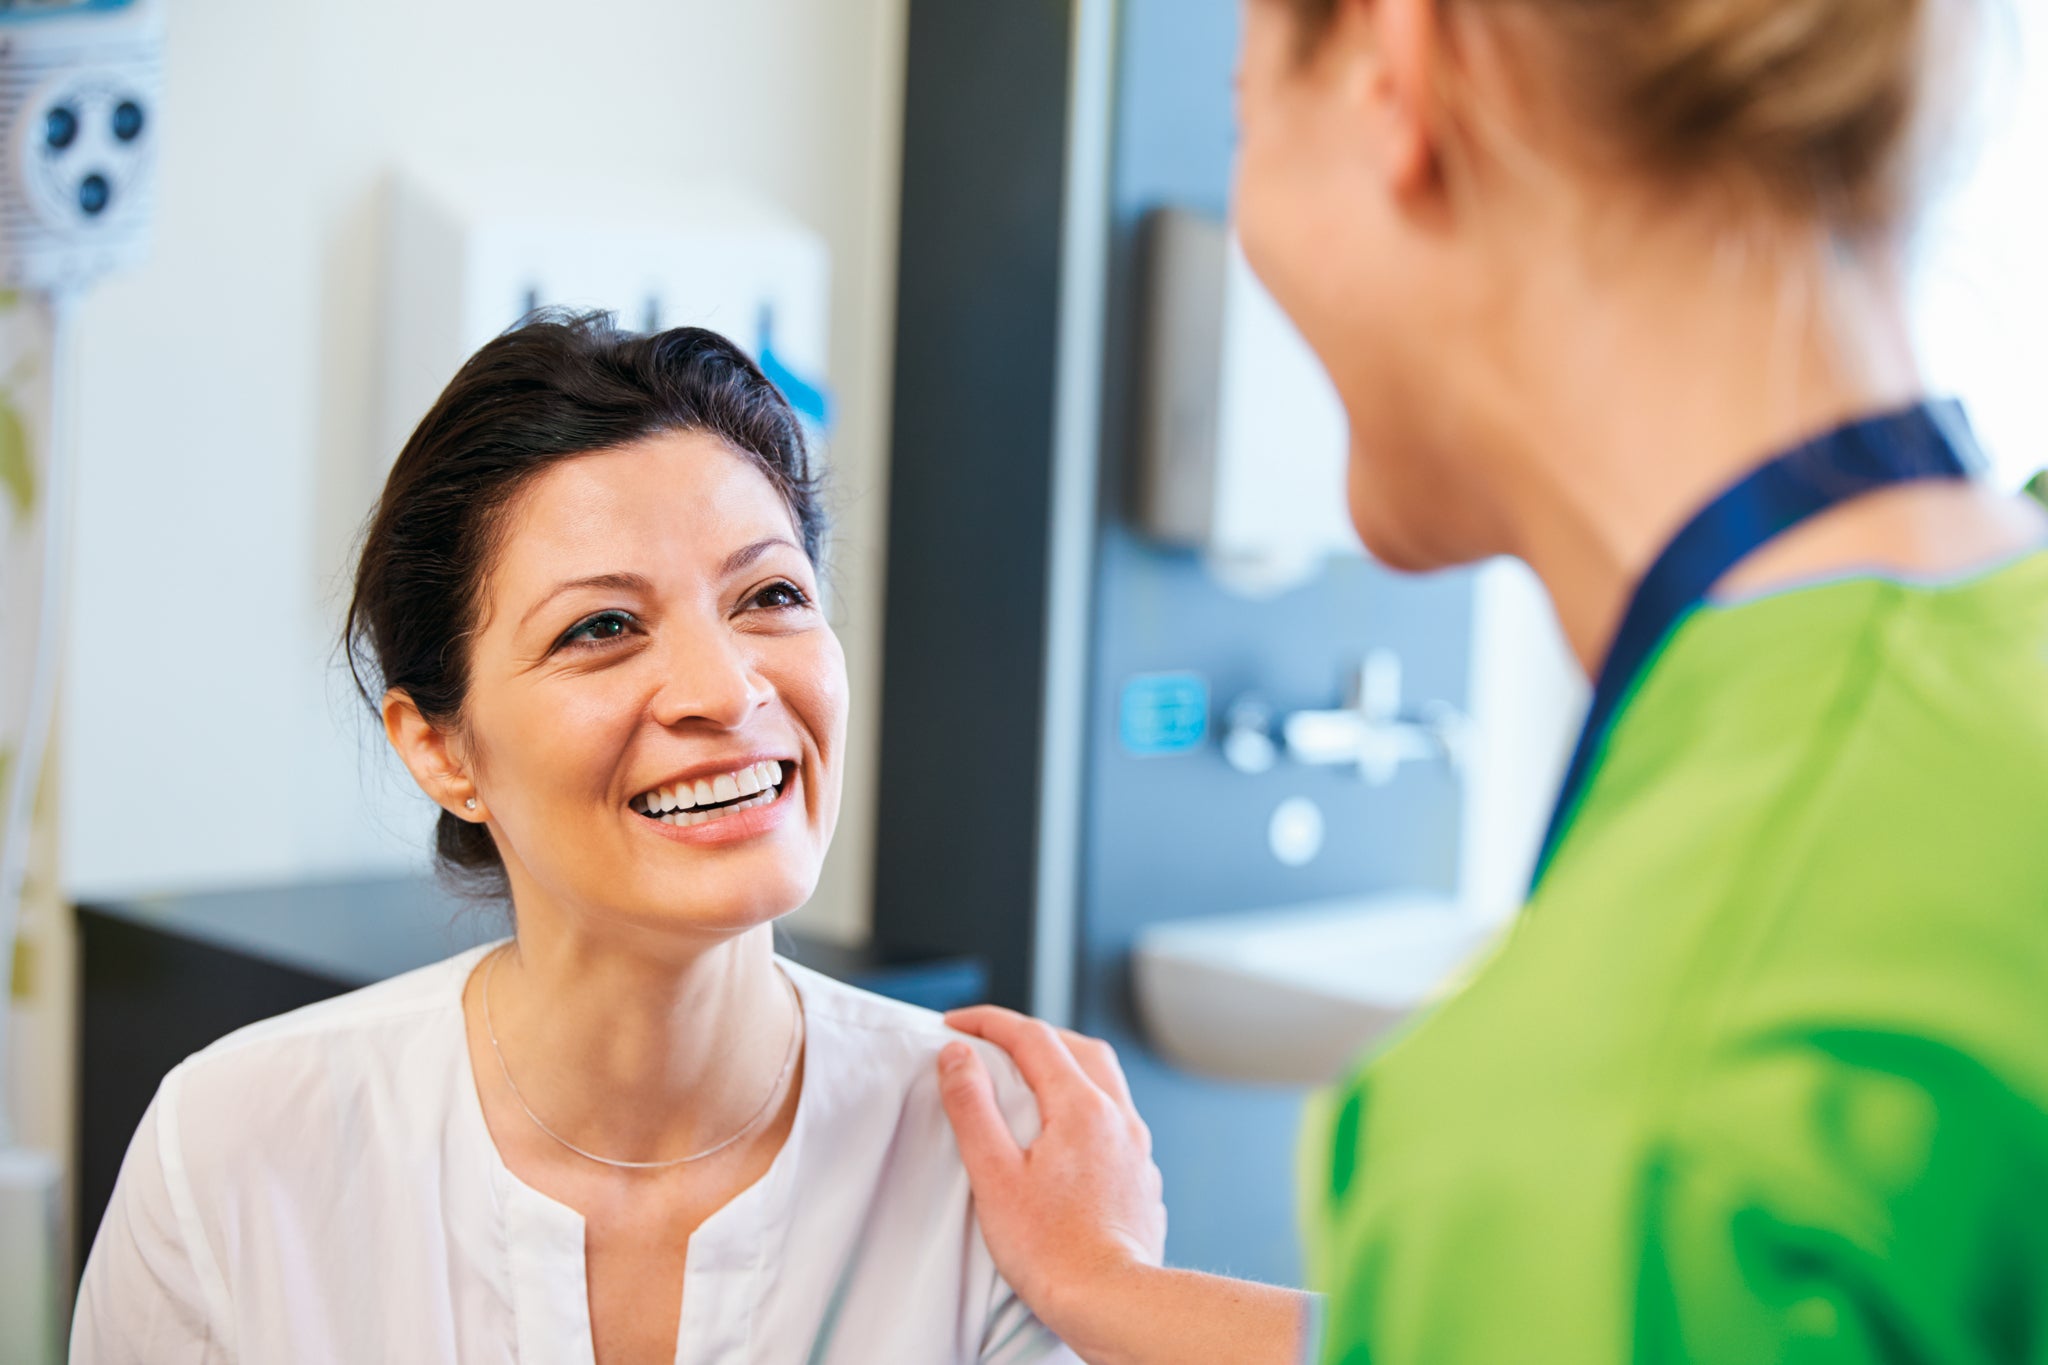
x=1379, y=686
x=1248, y=737
x=1322, y=738
x=1452, y=730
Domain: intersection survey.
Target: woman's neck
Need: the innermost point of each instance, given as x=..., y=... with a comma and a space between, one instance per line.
x=640, y=1050
x=1618, y=399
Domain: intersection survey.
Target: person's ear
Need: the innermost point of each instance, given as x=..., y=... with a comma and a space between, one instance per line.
x=1389, y=51
x=431, y=756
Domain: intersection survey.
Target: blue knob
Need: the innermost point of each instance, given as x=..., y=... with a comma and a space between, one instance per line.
x=60, y=127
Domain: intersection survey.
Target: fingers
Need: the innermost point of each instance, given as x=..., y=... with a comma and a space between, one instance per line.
x=1053, y=1060
x=983, y=1021
x=1049, y=1068
x=987, y=1147
x=1098, y=1059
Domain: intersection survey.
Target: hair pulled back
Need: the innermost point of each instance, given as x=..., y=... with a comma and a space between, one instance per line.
x=1813, y=102
x=557, y=386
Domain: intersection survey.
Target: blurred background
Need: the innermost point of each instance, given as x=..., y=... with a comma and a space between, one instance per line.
x=1140, y=740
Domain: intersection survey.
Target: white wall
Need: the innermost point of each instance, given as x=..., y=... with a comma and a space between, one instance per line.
x=1982, y=288
x=229, y=388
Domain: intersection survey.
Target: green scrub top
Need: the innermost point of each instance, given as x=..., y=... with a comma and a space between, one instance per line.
x=1761, y=1074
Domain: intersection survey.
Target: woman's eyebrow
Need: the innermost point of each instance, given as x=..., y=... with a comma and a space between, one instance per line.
x=741, y=558
x=621, y=582
x=632, y=582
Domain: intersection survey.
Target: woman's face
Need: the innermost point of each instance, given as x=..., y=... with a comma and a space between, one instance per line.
x=656, y=705
x=1338, y=210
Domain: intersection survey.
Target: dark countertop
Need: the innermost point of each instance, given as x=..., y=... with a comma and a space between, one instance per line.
x=357, y=932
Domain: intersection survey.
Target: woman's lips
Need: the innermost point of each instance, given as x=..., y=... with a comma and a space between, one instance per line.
x=713, y=789
x=732, y=825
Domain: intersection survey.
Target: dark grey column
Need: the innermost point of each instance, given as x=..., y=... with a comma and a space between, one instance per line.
x=971, y=482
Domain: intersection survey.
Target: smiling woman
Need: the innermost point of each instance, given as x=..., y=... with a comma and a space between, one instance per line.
x=498, y=456
x=586, y=612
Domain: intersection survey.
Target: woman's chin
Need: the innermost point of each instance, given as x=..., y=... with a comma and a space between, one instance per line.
x=716, y=910
x=1412, y=540
x=732, y=894
x=1389, y=545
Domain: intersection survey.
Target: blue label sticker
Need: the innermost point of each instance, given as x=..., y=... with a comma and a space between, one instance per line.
x=15, y=12
x=1164, y=713
x=810, y=400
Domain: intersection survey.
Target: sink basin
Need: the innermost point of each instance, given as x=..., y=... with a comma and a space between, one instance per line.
x=1293, y=995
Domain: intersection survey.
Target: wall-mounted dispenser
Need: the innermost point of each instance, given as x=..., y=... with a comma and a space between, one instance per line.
x=472, y=254
x=1242, y=440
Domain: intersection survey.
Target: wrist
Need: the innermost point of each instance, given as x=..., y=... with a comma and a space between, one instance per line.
x=1135, y=1313
x=1101, y=1312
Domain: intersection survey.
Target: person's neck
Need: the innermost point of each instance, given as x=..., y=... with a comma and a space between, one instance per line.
x=640, y=1046
x=1621, y=398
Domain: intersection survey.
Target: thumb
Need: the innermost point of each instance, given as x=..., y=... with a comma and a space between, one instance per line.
x=987, y=1147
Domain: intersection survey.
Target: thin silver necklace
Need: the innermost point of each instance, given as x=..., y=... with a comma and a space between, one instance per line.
x=796, y=1034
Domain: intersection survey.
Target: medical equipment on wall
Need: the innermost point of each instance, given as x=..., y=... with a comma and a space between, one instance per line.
x=1243, y=441
x=79, y=87
x=79, y=81
x=472, y=253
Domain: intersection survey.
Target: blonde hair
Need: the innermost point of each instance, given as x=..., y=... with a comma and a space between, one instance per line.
x=1815, y=103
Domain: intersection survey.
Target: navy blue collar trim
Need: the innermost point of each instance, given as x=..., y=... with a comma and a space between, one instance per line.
x=1927, y=441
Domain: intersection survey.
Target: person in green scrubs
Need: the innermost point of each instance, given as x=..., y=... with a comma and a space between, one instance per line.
x=1761, y=1072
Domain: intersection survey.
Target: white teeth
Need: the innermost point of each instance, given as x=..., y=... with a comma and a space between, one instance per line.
x=684, y=819
x=674, y=805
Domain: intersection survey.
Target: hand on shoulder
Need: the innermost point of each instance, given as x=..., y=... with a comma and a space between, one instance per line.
x=1076, y=1220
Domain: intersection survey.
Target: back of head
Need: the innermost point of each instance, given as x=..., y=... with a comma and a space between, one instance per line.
x=1811, y=103
x=1496, y=217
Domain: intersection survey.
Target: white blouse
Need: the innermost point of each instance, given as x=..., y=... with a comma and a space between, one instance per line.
x=321, y=1187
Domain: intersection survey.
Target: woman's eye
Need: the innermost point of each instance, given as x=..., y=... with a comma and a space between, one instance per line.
x=779, y=595
x=606, y=625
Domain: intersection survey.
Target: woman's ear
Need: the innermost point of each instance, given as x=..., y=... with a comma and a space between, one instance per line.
x=1390, y=50
x=430, y=754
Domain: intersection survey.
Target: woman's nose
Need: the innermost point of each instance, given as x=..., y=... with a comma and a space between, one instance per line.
x=709, y=676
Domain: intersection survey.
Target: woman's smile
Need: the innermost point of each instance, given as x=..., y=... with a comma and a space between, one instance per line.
x=722, y=805
x=653, y=653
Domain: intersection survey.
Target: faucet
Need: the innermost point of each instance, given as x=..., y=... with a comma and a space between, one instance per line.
x=1371, y=731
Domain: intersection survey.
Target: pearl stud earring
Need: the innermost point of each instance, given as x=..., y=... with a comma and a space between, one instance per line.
x=471, y=803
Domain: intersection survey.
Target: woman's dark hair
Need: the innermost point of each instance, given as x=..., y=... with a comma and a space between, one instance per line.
x=557, y=386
